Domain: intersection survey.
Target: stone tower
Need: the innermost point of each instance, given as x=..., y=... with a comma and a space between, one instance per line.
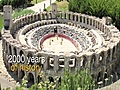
x=107, y=20
x=54, y=10
x=7, y=17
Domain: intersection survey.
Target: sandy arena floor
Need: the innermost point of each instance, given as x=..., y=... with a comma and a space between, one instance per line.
x=58, y=45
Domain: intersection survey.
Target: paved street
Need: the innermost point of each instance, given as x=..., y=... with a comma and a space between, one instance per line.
x=40, y=6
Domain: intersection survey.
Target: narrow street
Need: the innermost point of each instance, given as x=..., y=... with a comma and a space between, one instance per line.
x=40, y=6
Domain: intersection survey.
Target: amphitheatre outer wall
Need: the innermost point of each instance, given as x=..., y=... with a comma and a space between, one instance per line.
x=100, y=61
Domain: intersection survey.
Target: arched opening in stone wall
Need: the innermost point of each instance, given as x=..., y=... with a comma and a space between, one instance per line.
x=102, y=28
x=99, y=77
x=39, y=79
x=113, y=68
x=93, y=22
x=51, y=79
x=101, y=59
x=47, y=16
x=21, y=74
x=28, y=20
x=90, y=21
x=61, y=62
x=87, y=20
x=105, y=74
x=105, y=77
x=51, y=62
x=72, y=62
x=37, y=25
x=77, y=18
x=117, y=50
x=92, y=63
x=83, y=61
x=45, y=23
x=6, y=48
x=31, y=18
x=69, y=17
x=39, y=57
x=10, y=50
x=20, y=23
x=21, y=53
x=80, y=18
x=51, y=22
x=59, y=80
x=35, y=17
x=43, y=16
x=38, y=16
x=22, y=57
x=93, y=76
x=73, y=17
x=15, y=51
x=23, y=19
x=113, y=53
x=98, y=25
x=40, y=24
x=30, y=57
x=65, y=16
x=15, y=58
x=50, y=15
x=108, y=56
x=83, y=19
x=30, y=79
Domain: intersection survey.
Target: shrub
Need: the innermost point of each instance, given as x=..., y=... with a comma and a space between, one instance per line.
x=14, y=3
x=20, y=12
x=98, y=8
x=81, y=80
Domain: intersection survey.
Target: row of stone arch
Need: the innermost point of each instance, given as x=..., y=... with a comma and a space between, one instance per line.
x=29, y=18
x=29, y=27
x=106, y=76
x=81, y=18
x=84, y=20
x=103, y=58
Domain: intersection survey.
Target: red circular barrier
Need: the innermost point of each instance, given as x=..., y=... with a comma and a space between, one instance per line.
x=59, y=35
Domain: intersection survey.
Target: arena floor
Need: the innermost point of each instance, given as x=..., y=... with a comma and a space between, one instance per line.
x=58, y=44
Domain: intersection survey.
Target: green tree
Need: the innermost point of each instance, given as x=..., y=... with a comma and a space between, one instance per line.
x=98, y=8
x=14, y=3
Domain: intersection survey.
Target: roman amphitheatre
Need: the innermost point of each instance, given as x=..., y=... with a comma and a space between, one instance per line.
x=65, y=40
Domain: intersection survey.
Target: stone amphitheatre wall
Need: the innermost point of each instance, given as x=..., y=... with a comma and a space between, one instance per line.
x=101, y=61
